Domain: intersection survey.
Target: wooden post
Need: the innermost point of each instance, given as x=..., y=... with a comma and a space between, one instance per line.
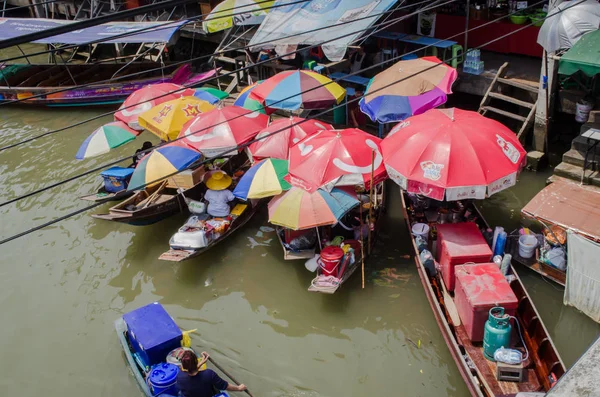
x=362, y=246
x=371, y=201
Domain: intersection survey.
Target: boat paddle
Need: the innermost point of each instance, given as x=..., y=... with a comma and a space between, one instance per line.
x=228, y=375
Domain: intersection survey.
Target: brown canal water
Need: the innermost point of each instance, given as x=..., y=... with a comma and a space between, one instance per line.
x=62, y=287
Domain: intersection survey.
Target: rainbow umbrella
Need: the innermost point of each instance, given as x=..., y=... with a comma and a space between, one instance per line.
x=160, y=163
x=107, y=137
x=210, y=95
x=264, y=179
x=247, y=12
x=244, y=101
x=421, y=85
x=167, y=119
x=295, y=89
x=298, y=209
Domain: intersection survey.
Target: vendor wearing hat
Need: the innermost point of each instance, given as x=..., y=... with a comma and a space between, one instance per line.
x=217, y=195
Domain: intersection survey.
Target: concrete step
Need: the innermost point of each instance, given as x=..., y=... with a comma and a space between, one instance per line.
x=576, y=157
x=573, y=172
x=582, y=144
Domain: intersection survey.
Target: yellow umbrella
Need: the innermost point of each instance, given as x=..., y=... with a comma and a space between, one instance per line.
x=167, y=119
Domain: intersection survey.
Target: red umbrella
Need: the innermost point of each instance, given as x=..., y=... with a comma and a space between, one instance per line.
x=453, y=153
x=336, y=157
x=220, y=129
x=286, y=133
x=146, y=98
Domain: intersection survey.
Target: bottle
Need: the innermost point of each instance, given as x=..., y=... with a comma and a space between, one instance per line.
x=500, y=243
x=428, y=262
x=505, y=264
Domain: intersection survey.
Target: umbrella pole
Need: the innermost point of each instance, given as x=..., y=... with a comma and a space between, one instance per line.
x=319, y=238
x=362, y=246
x=371, y=200
x=547, y=102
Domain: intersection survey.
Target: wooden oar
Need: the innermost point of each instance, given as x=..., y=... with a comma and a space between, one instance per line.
x=227, y=374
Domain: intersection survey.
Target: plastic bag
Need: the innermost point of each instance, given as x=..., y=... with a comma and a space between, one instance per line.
x=303, y=242
x=508, y=356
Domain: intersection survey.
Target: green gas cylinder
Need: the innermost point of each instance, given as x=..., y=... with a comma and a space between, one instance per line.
x=496, y=333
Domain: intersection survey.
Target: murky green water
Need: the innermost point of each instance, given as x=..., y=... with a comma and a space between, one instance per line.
x=61, y=288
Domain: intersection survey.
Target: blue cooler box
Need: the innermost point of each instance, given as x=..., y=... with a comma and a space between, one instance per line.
x=152, y=333
x=116, y=178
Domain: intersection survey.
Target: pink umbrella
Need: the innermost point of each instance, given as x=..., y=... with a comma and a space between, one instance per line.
x=218, y=130
x=284, y=133
x=146, y=98
x=336, y=158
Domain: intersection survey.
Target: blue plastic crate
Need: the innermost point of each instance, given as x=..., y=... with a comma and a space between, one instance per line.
x=152, y=333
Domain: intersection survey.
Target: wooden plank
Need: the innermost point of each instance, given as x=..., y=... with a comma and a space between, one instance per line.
x=491, y=87
x=450, y=306
x=527, y=122
x=504, y=113
x=518, y=84
x=506, y=98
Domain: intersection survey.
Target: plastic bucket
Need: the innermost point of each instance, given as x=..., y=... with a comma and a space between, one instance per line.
x=422, y=230
x=527, y=245
x=582, y=111
x=330, y=259
x=163, y=378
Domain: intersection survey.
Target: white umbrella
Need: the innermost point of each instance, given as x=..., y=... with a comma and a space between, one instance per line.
x=567, y=22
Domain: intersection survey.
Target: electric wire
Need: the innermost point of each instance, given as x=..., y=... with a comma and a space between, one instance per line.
x=217, y=53
x=240, y=147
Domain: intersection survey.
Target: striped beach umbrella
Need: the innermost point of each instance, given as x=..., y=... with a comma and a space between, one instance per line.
x=160, y=163
x=210, y=95
x=244, y=101
x=263, y=179
x=295, y=89
x=107, y=137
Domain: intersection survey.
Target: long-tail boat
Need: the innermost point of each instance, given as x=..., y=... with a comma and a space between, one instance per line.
x=543, y=366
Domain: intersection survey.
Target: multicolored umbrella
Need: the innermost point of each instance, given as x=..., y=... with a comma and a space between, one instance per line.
x=244, y=101
x=107, y=137
x=160, y=163
x=283, y=134
x=452, y=153
x=336, y=158
x=421, y=86
x=248, y=12
x=297, y=89
x=263, y=179
x=298, y=209
x=210, y=95
x=167, y=119
x=146, y=98
x=222, y=129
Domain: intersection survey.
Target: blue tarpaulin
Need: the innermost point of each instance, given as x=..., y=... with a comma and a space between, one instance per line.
x=301, y=17
x=157, y=32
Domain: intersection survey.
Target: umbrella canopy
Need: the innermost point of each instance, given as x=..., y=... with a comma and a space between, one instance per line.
x=294, y=89
x=167, y=119
x=160, y=163
x=263, y=179
x=425, y=89
x=248, y=12
x=107, y=137
x=146, y=98
x=583, y=56
x=221, y=129
x=567, y=22
x=243, y=100
x=210, y=95
x=454, y=153
x=286, y=133
x=336, y=157
x=298, y=209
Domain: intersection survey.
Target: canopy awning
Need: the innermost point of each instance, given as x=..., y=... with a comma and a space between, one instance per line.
x=157, y=32
x=584, y=56
x=569, y=205
x=300, y=20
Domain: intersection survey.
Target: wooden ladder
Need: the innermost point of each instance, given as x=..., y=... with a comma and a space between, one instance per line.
x=493, y=92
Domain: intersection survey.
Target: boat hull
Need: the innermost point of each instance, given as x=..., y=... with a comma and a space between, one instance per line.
x=473, y=367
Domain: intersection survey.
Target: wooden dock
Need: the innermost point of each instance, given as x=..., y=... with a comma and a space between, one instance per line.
x=583, y=379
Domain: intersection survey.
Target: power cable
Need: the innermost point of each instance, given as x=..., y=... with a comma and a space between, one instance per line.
x=207, y=56
x=239, y=147
x=161, y=26
x=184, y=87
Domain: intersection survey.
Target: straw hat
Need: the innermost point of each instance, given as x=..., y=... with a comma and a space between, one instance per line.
x=218, y=181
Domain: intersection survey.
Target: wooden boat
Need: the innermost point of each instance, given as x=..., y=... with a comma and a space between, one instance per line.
x=156, y=203
x=103, y=85
x=290, y=254
x=348, y=268
x=180, y=254
x=479, y=373
x=103, y=195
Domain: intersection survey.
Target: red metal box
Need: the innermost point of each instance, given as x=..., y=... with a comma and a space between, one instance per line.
x=478, y=289
x=457, y=244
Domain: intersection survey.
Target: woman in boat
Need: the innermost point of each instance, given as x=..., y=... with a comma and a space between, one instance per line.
x=140, y=153
x=192, y=382
x=217, y=195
